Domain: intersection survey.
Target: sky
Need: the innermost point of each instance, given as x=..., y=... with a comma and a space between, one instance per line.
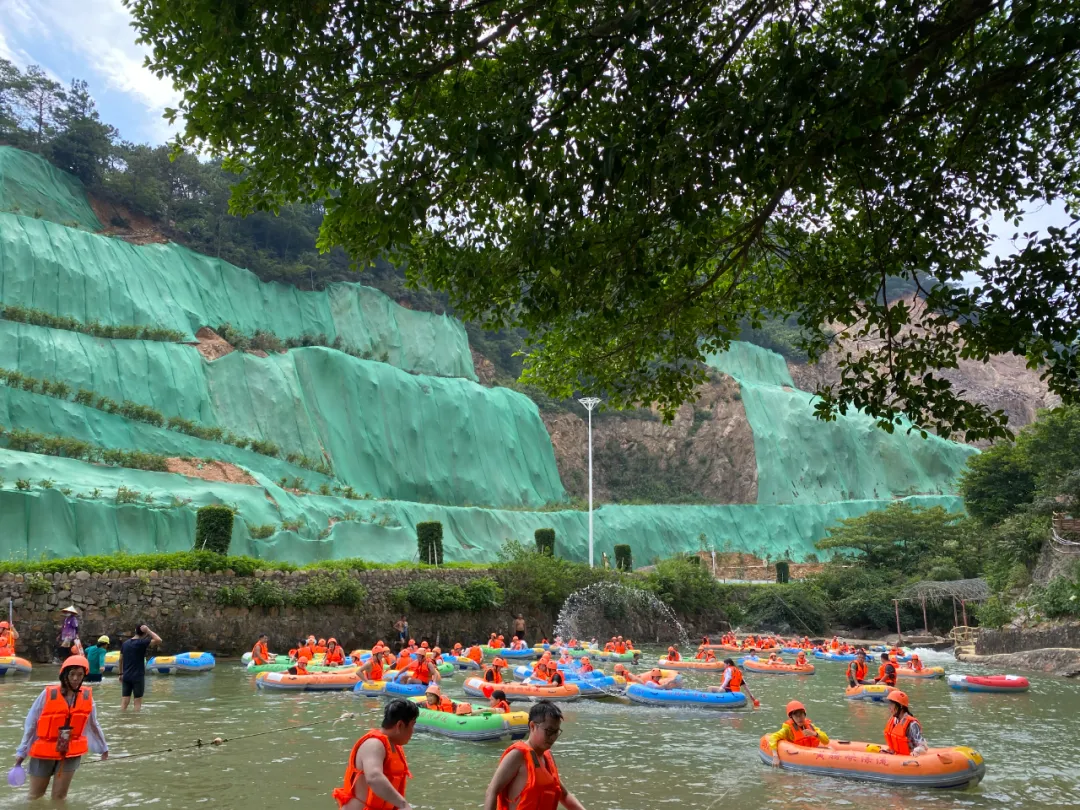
x=93, y=40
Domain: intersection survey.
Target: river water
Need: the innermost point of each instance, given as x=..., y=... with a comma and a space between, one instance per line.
x=612, y=756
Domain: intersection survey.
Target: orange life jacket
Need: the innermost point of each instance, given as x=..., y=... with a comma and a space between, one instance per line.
x=542, y=790
x=307, y=650
x=896, y=735
x=735, y=684
x=55, y=714
x=334, y=657
x=259, y=654
x=7, y=645
x=376, y=672
x=500, y=705
x=404, y=661
x=395, y=768
x=587, y=667
x=496, y=644
x=492, y=675
x=916, y=663
x=887, y=674
x=620, y=648
x=446, y=704
x=319, y=648
x=475, y=653
x=804, y=735
x=541, y=673
x=834, y=644
x=858, y=670
x=674, y=656
x=422, y=672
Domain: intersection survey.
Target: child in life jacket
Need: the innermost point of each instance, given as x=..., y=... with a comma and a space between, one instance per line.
x=498, y=702
x=797, y=729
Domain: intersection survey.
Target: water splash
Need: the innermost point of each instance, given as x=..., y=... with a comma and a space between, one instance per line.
x=595, y=609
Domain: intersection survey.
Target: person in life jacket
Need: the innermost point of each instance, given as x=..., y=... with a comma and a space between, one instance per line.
x=499, y=703
x=404, y=661
x=377, y=772
x=797, y=729
x=858, y=670
x=800, y=659
x=620, y=646
x=834, y=645
x=903, y=733
x=259, y=653
x=517, y=644
x=306, y=650
x=916, y=662
x=886, y=672
x=376, y=666
x=475, y=653
x=655, y=678
x=423, y=671
x=493, y=673
x=8, y=637
x=320, y=646
x=436, y=701
x=60, y=729
x=457, y=649
x=436, y=656
x=527, y=778
x=586, y=665
x=732, y=681
x=673, y=654
x=300, y=667
x=565, y=658
x=335, y=656
x=626, y=674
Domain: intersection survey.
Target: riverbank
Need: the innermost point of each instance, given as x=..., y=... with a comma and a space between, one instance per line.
x=1061, y=661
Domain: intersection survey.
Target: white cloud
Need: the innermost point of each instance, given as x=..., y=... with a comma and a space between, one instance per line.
x=100, y=33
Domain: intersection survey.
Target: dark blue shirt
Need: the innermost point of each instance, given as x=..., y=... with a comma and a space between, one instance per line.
x=133, y=658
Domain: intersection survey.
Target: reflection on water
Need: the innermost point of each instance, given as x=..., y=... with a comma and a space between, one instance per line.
x=613, y=756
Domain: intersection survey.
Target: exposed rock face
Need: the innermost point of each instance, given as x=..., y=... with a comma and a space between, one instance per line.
x=210, y=471
x=706, y=452
x=1003, y=383
x=485, y=369
x=212, y=345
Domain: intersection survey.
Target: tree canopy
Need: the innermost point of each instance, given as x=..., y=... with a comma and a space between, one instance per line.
x=631, y=180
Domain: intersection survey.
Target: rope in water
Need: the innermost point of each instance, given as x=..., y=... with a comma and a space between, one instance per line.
x=222, y=740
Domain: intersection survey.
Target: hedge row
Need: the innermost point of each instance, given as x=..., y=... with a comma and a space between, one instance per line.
x=39, y=317
x=151, y=416
x=30, y=442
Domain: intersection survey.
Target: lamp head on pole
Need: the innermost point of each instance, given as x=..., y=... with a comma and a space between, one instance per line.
x=589, y=402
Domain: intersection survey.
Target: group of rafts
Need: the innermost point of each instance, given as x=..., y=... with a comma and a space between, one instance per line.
x=566, y=672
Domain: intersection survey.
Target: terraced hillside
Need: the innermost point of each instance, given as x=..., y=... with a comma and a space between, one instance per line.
x=348, y=419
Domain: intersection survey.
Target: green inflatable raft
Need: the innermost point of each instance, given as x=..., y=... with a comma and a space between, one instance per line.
x=479, y=727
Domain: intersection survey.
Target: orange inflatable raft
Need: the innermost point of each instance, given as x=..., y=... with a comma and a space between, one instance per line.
x=703, y=666
x=926, y=673
x=938, y=768
x=777, y=669
x=315, y=682
x=478, y=687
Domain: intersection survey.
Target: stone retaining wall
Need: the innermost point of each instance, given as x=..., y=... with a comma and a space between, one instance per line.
x=180, y=606
x=994, y=642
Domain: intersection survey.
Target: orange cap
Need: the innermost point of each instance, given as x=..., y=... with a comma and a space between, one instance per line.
x=896, y=696
x=795, y=706
x=498, y=662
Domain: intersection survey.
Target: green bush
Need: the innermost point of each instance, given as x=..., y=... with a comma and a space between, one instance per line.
x=261, y=531
x=267, y=594
x=796, y=607
x=432, y=596
x=783, y=572
x=532, y=579
x=686, y=586
x=38, y=584
x=213, y=528
x=235, y=596
x=994, y=612
x=483, y=593
x=40, y=317
x=1060, y=598
x=429, y=542
x=329, y=589
x=624, y=559
x=545, y=541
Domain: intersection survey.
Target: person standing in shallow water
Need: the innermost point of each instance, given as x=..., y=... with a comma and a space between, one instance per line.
x=133, y=665
x=527, y=778
x=519, y=627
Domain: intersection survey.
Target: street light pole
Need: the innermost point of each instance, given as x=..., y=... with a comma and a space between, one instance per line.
x=590, y=403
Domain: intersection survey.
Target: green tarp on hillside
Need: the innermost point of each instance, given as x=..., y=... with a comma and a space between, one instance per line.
x=801, y=459
x=96, y=278
x=48, y=522
x=385, y=432
x=31, y=186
